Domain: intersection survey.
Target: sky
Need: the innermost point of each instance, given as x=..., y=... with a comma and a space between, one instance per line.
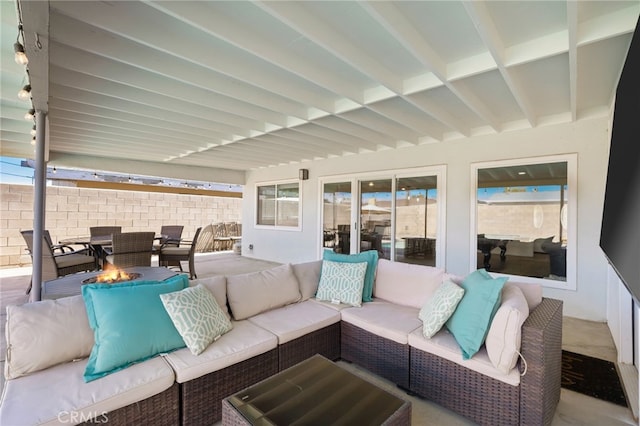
x=12, y=172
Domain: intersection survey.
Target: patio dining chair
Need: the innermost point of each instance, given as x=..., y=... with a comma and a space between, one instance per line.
x=131, y=249
x=61, y=264
x=103, y=232
x=221, y=240
x=170, y=235
x=172, y=256
x=205, y=240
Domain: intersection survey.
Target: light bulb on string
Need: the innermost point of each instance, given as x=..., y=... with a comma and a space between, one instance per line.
x=30, y=114
x=33, y=130
x=25, y=93
x=20, y=57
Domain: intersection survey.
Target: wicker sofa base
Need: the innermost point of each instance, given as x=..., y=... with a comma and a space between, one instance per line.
x=162, y=409
x=380, y=356
x=484, y=400
x=202, y=397
x=325, y=342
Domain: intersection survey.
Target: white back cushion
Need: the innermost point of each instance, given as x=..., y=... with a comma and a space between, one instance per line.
x=532, y=292
x=308, y=275
x=42, y=334
x=217, y=286
x=505, y=334
x=406, y=284
x=250, y=294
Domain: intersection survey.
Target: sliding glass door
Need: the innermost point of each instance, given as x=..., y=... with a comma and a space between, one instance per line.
x=375, y=216
x=336, y=216
x=416, y=219
x=399, y=215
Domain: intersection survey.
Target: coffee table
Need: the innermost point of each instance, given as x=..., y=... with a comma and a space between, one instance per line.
x=315, y=392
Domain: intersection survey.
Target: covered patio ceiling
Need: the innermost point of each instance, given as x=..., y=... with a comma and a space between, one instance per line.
x=192, y=87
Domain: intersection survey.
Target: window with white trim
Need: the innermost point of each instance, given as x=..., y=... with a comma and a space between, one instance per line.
x=279, y=205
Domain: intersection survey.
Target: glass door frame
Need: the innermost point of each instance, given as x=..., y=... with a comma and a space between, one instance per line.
x=355, y=179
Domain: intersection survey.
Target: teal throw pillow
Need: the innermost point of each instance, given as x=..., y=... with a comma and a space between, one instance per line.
x=342, y=282
x=130, y=323
x=197, y=316
x=472, y=318
x=370, y=256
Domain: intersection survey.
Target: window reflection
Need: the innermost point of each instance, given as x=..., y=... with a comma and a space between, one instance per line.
x=278, y=205
x=375, y=216
x=416, y=220
x=337, y=216
x=522, y=220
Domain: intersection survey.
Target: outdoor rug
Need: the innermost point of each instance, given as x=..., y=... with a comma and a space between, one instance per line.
x=592, y=376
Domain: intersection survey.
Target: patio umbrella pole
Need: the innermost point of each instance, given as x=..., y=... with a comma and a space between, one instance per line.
x=38, y=207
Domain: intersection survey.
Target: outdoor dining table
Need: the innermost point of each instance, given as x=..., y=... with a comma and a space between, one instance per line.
x=97, y=243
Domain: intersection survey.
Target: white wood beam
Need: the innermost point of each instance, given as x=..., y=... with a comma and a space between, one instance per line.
x=98, y=66
x=200, y=15
x=122, y=19
x=397, y=24
x=296, y=16
x=483, y=22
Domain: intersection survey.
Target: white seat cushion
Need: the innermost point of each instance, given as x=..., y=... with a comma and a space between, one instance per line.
x=384, y=319
x=334, y=306
x=444, y=345
x=60, y=392
x=293, y=321
x=244, y=341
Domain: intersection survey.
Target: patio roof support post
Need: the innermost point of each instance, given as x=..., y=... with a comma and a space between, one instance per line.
x=39, y=190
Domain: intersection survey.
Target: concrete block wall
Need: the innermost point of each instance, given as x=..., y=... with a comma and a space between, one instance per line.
x=71, y=211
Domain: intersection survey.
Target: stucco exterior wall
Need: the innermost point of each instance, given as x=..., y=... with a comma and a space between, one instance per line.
x=71, y=211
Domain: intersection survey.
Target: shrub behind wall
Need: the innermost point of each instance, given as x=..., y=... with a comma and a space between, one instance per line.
x=71, y=211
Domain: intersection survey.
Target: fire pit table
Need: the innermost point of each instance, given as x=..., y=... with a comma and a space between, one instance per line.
x=70, y=285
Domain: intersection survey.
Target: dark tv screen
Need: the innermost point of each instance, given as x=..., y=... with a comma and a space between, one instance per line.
x=620, y=231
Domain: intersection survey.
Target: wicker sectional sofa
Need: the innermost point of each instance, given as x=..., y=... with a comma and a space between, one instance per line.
x=277, y=323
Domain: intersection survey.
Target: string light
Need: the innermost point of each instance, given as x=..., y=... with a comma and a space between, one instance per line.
x=25, y=93
x=20, y=57
x=30, y=114
x=55, y=170
x=33, y=141
x=33, y=130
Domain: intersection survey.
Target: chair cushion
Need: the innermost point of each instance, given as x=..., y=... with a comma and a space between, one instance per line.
x=444, y=345
x=256, y=292
x=342, y=282
x=244, y=341
x=197, y=316
x=54, y=395
x=130, y=323
x=470, y=322
x=384, y=319
x=175, y=251
x=34, y=332
x=296, y=320
x=67, y=260
x=406, y=284
x=370, y=256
